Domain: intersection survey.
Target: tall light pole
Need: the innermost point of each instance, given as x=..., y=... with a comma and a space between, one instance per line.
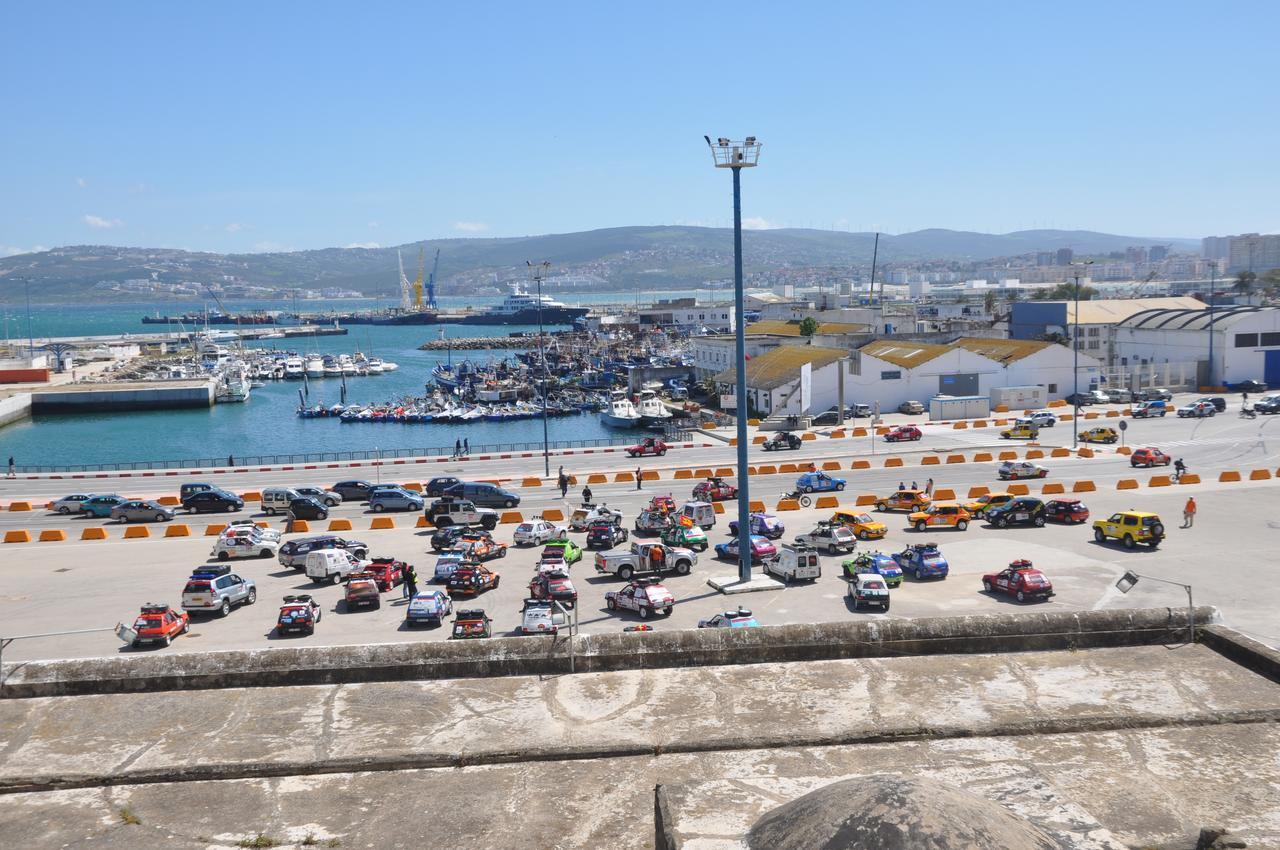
x=1130, y=578
x=1213, y=284
x=1075, y=355
x=737, y=156
x=538, y=272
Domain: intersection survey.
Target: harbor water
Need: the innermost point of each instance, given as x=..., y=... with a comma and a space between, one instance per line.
x=267, y=424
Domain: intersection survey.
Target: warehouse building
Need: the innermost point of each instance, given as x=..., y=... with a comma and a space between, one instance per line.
x=1171, y=347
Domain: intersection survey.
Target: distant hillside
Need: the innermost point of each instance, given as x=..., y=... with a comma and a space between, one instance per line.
x=658, y=257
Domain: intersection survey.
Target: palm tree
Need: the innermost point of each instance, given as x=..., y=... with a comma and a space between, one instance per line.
x=1244, y=283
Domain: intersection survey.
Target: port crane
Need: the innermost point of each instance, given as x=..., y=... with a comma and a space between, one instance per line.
x=431, y=283
x=404, y=284
x=417, y=282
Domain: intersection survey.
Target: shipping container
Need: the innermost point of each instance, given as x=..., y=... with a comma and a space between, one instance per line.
x=949, y=407
x=1020, y=398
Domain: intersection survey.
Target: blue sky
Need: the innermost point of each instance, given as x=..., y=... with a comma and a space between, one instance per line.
x=271, y=126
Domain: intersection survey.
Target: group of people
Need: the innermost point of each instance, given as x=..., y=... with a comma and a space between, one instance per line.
x=928, y=486
x=462, y=448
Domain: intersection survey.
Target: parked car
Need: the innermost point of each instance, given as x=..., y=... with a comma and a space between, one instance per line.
x=982, y=504
x=831, y=416
x=761, y=549
x=1130, y=528
x=903, y=434
x=534, y=532
x=643, y=596
x=740, y=619
x=428, y=607
x=142, y=511
x=763, y=524
x=299, y=613
x=795, y=562
x=447, y=511
x=922, y=560
x=911, y=408
x=1219, y=403
x=472, y=580
x=702, y=514
x=645, y=558
x=553, y=583
x=648, y=447
x=362, y=590
x=294, y=553
x=213, y=501
x=1021, y=510
x=244, y=545
x=868, y=589
x=328, y=498
x=780, y=441
x=387, y=572
x=1149, y=457
x=398, y=499
x=818, y=482
x=437, y=486
x=1013, y=470
x=1021, y=580
x=483, y=494
x=540, y=617
x=873, y=562
x=352, y=490
x=472, y=623
x=190, y=488
x=158, y=623
x=562, y=550
x=1082, y=399
x=605, y=534
x=480, y=547
x=308, y=507
x=446, y=565
x=904, y=500
x=101, y=506
x=714, y=489
x=333, y=565
x=70, y=504
x=829, y=537
x=1197, y=410
x=1158, y=393
x=1066, y=510
x=1119, y=395
x=1249, y=386
x=687, y=535
x=940, y=515
x=862, y=524
x=216, y=589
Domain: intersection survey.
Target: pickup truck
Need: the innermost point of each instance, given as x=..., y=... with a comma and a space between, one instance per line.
x=645, y=558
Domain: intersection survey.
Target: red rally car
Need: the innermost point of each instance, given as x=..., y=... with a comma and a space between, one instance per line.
x=714, y=490
x=388, y=572
x=903, y=433
x=648, y=447
x=1066, y=510
x=1020, y=580
x=157, y=623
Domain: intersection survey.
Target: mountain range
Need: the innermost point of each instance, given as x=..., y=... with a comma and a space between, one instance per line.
x=622, y=258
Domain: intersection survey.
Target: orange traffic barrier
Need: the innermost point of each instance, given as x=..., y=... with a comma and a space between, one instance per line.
x=880, y=432
x=178, y=530
x=215, y=529
x=753, y=422
x=866, y=499
x=1124, y=450
x=787, y=468
x=978, y=490
x=808, y=435
x=979, y=423
x=339, y=525
x=413, y=485
x=767, y=469
x=531, y=482
x=1001, y=408
x=945, y=494
x=1000, y=423
x=930, y=460
x=1008, y=455
x=703, y=473
x=1113, y=414
x=787, y=505
x=1066, y=417
x=381, y=522
x=960, y=426
x=892, y=461
x=1052, y=488
x=859, y=432
x=1229, y=475
x=1189, y=478
x=758, y=439
x=1019, y=489
x=597, y=478
x=136, y=532
x=726, y=472
x=1127, y=484
x=19, y=506
x=827, y=502
x=955, y=458
x=1260, y=475
x=836, y=434
x=982, y=457
x=624, y=476
x=1091, y=415
x=652, y=475
x=553, y=515
x=1084, y=451
x=733, y=441
x=1160, y=481
x=718, y=507
x=708, y=425
x=1034, y=454
x=262, y=524
x=860, y=464
x=757, y=507
x=17, y=535
x=1083, y=487
x=169, y=501
x=1058, y=402
x=751, y=470
x=300, y=526
x=251, y=496
x=93, y=534
x=510, y=517
x=683, y=473
x=52, y=535
x=423, y=522
x=831, y=465
x=1060, y=452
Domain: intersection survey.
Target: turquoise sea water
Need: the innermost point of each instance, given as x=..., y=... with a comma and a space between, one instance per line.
x=267, y=424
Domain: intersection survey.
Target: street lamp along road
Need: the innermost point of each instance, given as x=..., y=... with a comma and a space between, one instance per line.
x=737, y=156
x=539, y=271
x=1075, y=354
x=1130, y=578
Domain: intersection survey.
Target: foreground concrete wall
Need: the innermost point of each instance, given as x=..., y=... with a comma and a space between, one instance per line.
x=125, y=398
x=15, y=407
x=1019, y=632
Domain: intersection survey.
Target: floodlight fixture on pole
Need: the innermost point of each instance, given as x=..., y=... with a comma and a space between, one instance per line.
x=539, y=271
x=737, y=156
x=1130, y=578
x=1075, y=357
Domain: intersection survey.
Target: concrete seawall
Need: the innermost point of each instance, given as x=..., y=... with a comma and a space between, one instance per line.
x=14, y=408
x=127, y=397
x=600, y=652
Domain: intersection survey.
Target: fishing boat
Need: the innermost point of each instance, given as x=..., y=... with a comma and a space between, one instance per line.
x=652, y=410
x=621, y=413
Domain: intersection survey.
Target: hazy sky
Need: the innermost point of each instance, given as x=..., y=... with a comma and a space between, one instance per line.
x=274, y=125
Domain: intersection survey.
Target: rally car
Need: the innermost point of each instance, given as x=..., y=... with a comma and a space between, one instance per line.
x=298, y=614
x=662, y=504
x=362, y=590
x=740, y=619
x=690, y=536
x=940, y=515
x=481, y=548
x=158, y=623
x=1101, y=434
x=714, y=490
x=1066, y=510
x=868, y=589
x=874, y=562
x=903, y=434
x=829, y=537
x=818, y=482
x=922, y=560
x=1012, y=470
x=1149, y=457
x=1020, y=431
x=1020, y=580
x=650, y=521
x=648, y=447
x=472, y=580
x=861, y=524
x=982, y=504
x=1022, y=510
x=387, y=571
x=644, y=596
x=766, y=525
x=472, y=623
x=447, y=537
x=781, y=440
x=904, y=500
x=540, y=617
x=582, y=517
x=244, y=546
x=562, y=550
x=554, y=584
x=761, y=548
x=446, y=564
x=429, y=607
x=605, y=535
x=1197, y=410
x=1130, y=528
x=538, y=531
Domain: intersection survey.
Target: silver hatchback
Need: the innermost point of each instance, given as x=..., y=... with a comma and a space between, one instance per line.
x=141, y=511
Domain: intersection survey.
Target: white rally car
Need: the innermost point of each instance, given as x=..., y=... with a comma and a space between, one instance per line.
x=538, y=531
x=245, y=546
x=1012, y=470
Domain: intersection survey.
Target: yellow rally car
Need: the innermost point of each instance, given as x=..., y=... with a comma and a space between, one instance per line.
x=904, y=500
x=1023, y=431
x=1100, y=435
x=980, y=505
x=1130, y=528
x=940, y=515
x=861, y=524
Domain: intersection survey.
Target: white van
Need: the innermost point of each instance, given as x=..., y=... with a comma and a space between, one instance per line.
x=277, y=499
x=333, y=565
x=703, y=514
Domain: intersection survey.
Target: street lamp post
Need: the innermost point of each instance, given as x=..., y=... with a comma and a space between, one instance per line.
x=737, y=156
x=1213, y=284
x=1130, y=578
x=1075, y=355
x=539, y=271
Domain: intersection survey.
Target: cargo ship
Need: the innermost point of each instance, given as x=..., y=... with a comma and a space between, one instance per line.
x=518, y=308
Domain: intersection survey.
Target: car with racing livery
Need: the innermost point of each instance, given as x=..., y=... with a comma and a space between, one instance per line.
x=922, y=560
x=471, y=624
x=979, y=506
x=861, y=523
x=663, y=503
x=158, y=623
x=540, y=617
x=1149, y=457
x=903, y=434
x=583, y=516
x=362, y=590
x=780, y=441
x=537, y=531
x=1020, y=510
x=554, y=584
x=387, y=572
x=829, y=537
x=606, y=534
x=904, y=500
x=1015, y=470
x=651, y=522
x=873, y=562
x=940, y=515
x=299, y=613
x=1020, y=431
x=643, y=596
x=819, y=482
x=565, y=551
x=1021, y=580
x=480, y=548
x=215, y=589
x=244, y=545
x=687, y=535
x=1066, y=510
x=740, y=619
x=764, y=524
x=428, y=607
x=714, y=489
x=648, y=447
x=1100, y=434
x=795, y=562
x=868, y=589
x=471, y=580
x=1130, y=528
x=645, y=558
x=761, y=549
x=446, y=564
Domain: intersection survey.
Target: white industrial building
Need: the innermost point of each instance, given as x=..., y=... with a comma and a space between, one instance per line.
x=1160, y=346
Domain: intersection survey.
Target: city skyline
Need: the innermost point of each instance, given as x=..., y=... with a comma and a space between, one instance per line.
x=297, y=127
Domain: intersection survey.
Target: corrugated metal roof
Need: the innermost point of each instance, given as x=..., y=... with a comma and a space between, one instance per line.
x=908, y=355
x=1114, y=310
x=780, y=327
x=781, y=365
x=1003, y=350
x=1198, y=320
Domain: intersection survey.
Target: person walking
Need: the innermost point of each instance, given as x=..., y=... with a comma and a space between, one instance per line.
x=1189, y=513
x=563, y=481
x=586, y=495
x=409, y=582
x=913, y=486
x=231, y=460
x=12, y=469
x=457, y=448
x=928, y=487
x=466, y=446
x=638, y=478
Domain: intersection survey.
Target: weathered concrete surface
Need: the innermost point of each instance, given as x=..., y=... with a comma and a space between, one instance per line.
x=253, y=732
x=1003, y=633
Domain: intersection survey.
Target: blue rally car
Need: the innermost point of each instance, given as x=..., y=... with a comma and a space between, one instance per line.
x=766, y=525
x=874, y=562
x=818, y=482
x=922, y=560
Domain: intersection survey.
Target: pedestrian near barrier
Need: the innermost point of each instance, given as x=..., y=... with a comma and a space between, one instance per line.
x=638, y=478
x=563, y=481
x=231, y=460
x=928, y=487
x=586, y=495
x=409, y=581
x=466, y=446
x=1189, y=513
x=902, y=485
x=12, y=470
x=913, y=486
x=457, y=448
